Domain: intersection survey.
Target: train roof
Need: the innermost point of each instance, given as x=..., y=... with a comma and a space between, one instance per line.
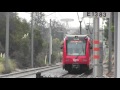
x=76, y=35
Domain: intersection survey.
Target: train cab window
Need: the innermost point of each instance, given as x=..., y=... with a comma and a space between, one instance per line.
x=76, y=48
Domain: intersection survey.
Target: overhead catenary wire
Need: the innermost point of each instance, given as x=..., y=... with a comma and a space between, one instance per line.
x=78, y=16
x=91, y=32
x=45, y=16
x=50, y=14
x=79, y=22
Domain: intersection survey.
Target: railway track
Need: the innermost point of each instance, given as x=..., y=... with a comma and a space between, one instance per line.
x=67, y=75
x=28, y=72
x=83, y=75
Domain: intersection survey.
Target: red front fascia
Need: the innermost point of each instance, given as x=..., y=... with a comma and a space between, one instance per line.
x=67, y=59
x=79, y=60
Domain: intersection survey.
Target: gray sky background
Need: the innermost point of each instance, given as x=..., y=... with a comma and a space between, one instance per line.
x=61, y=15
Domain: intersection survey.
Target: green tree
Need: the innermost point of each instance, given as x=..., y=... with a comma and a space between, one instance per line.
x=19, y=44
x=57, y=30
x=106, y=31
x=55, y=50
x=1, y=48
x=39, y=37
x=2, y=28
x=20, y=38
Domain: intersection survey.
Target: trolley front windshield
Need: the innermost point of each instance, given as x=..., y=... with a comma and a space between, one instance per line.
x=76, y=47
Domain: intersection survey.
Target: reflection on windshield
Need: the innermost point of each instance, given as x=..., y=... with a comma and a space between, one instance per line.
x=76, y=48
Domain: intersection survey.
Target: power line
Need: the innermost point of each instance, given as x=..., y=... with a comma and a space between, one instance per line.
x=50, y=14
x=45, y=16
x=84, y=21
x=28, y=12
x=78, y=16
x=59, y=15
x=79, y=22
x=91, y=32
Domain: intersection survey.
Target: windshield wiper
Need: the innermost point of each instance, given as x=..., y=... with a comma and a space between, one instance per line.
x=77, y=56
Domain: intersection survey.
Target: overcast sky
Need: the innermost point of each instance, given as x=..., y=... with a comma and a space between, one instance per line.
x=61, y=15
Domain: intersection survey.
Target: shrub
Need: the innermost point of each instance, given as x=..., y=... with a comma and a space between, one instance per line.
x=1, y=67
x=40, y=60
x=8, y=67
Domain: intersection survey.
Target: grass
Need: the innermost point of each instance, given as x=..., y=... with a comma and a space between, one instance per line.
x=7, y=67
x=1, y=68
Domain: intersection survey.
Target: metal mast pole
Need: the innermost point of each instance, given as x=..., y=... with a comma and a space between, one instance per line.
x=115, y=40
x=50, y=43
x=96, y=47
x=32, y=42
x=7, y=43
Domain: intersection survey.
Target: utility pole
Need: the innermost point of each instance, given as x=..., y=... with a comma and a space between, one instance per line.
x=115, y=41
x=80, y=23
x=50, y=43
x=80, y=27
x=87, y=28
x=32, y=40
x=118, y=46
x=110, y=44
x=96, y=47
x=7, y=44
